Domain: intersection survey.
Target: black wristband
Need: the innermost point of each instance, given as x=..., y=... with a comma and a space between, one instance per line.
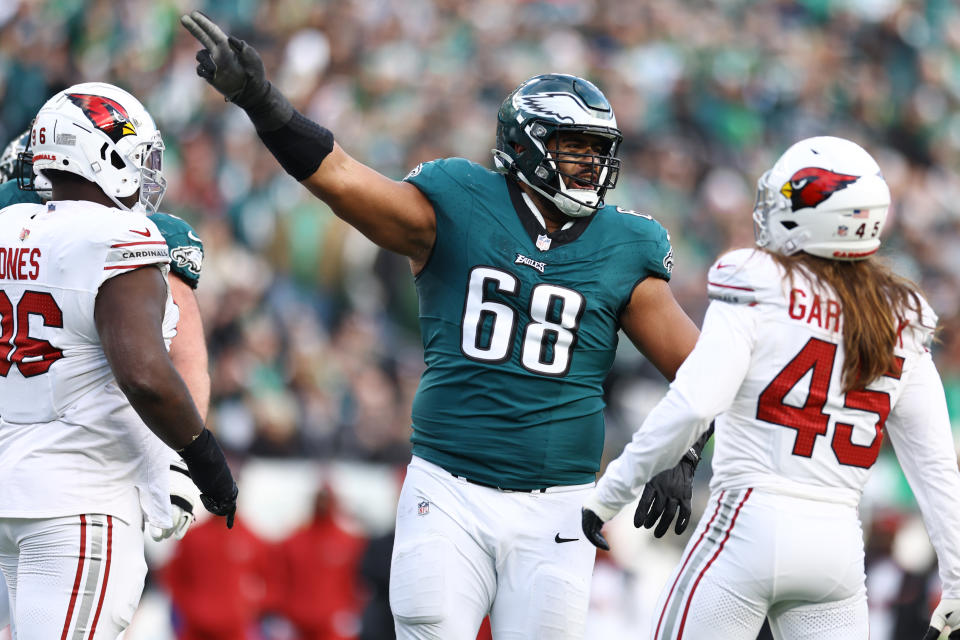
x=299, y=146
x=267, y=108
x=208, y=466
x=693, y=453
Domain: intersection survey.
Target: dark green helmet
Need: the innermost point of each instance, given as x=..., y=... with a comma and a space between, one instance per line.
x=534, y=115
x=16, y=163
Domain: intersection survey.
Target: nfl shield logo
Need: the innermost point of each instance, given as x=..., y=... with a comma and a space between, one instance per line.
x=543, y=242
x=423, y=508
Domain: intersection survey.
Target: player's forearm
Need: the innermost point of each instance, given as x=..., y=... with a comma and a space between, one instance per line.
x=663, y=439
x=163, y=402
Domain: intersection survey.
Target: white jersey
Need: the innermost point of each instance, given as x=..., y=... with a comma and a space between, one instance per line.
x=70, y=443
x=768, y=366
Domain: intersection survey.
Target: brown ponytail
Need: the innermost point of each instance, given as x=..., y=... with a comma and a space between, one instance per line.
x=874, y=303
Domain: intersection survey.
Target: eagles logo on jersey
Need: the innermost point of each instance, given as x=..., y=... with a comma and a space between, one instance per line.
x=189, y=258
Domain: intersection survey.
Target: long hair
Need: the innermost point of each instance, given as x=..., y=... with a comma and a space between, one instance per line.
x=875, y=305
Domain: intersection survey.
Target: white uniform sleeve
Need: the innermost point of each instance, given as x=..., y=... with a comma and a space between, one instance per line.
x=919, y=428
x=706, y=384
x=131, y=248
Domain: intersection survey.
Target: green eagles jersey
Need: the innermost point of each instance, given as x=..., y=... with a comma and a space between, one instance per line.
x=520, y=329
x=186, y=248
x=10, y=194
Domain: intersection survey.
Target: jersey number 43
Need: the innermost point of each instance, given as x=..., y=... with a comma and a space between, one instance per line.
x=488, y=327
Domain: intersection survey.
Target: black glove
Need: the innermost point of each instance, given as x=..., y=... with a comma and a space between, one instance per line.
x=669, y=493
x=210, y=472
x=235, y=69
x=592, y=524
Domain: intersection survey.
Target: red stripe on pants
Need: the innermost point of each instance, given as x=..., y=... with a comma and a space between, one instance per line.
x=666, y=602
x=693, y=590
x=76, y=581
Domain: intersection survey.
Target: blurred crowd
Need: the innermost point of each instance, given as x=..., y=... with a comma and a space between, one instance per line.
x=312, y=330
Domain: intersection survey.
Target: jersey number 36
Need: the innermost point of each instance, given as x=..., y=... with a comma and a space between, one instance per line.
x=488, y=327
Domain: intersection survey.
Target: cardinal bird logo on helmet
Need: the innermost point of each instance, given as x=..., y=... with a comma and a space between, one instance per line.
x=810, y=186
x=107, y=115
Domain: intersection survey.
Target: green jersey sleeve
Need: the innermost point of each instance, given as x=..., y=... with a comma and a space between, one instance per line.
x=186, y=248
x=647, y=242
x=450, y=184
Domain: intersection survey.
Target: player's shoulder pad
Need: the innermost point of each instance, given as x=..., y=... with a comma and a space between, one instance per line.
x=643, y=229
x=744, y=276
x=25, y=208
x=433, y=175
x=186, y=247
x=133, y=240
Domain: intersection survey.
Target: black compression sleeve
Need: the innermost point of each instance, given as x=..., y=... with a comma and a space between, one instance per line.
x=299, y=146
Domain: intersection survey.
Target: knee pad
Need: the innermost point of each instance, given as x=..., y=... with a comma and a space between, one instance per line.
x=417, y=582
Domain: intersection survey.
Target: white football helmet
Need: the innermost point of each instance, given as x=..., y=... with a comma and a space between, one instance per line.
x=102, y=133
x=824, y=196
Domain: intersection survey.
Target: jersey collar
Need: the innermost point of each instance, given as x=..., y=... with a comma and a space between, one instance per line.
x=533, y=224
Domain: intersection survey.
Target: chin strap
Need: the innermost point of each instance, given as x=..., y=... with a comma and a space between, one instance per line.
x=504, y=164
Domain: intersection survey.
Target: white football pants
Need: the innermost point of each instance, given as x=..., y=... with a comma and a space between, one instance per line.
x=462, y=551
x=71, y=578
x=4, y=603
x=758, y=554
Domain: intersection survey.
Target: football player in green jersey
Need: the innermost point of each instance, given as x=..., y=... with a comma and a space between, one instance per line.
x=188, y=349
x=524, y=277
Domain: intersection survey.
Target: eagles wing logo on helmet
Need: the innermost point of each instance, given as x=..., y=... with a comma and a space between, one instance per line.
x=810, y=186
x=561, y=106
x=105, y=114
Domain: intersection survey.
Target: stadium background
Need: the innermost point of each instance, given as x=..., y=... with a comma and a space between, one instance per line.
x=312, y=330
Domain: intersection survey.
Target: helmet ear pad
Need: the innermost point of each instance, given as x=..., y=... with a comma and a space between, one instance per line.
x=824, y=196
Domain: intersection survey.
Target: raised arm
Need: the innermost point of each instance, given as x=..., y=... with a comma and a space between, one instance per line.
x=395, y=215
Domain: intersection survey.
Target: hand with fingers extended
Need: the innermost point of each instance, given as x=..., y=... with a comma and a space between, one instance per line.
x=670, y=492
x=592, y=524
x=947, y=614
x=235, y=69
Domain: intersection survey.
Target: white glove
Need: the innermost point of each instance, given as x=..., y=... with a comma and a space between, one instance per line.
x=947, y=614
x=184, y=497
